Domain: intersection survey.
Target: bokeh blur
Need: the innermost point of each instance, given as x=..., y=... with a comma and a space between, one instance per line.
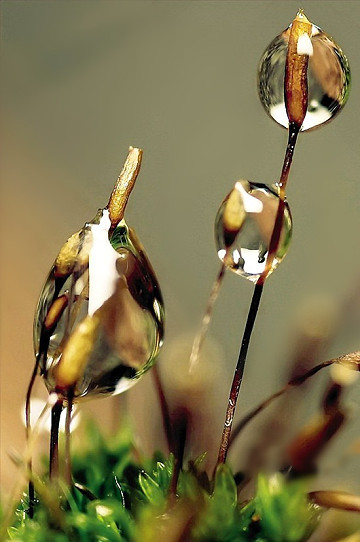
x=84, y=80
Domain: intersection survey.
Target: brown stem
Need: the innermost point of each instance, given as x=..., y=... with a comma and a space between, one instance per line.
x=164, y=408
x=296, y=99
x=336, y=499
x=294, y=382
x=67, y=474
x=28, y=396
x=28, y=430
x=54, y=439
x=180, y=424
x=273, y=247
x=289, y=153
x=239, y=371
x=279, y=219
x=200, y=337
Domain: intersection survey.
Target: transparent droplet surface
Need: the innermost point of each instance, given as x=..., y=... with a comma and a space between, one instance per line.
x=100, y=310
x=247, y=255
x=328, y=77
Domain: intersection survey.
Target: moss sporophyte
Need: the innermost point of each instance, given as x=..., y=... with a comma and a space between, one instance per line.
x=99, y=327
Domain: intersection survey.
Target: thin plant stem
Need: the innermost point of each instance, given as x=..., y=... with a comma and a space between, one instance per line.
x=28, y=396
x=165, y=411
x=279, y=218
x=54, y=439
x=24, y=461
x=239, y=372
x=293, y=383
x=194, y=357
x=255, y=302
x=181, y=420
x=295, y=76
x=200, y=337
x=67, y=473
x=28, y=430
x=289, y=153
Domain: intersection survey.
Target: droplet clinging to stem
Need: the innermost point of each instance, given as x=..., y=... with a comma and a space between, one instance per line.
x=328, y=75
x=244, y=248
x=297, y=58
x=284, y=91
x=99, y=320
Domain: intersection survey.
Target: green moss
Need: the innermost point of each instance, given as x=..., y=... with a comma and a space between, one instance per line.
x=119, y=499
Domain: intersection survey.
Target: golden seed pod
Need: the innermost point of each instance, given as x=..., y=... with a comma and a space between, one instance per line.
x=233, y=215
x=243, y=228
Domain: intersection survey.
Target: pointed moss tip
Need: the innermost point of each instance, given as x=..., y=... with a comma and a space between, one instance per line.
x=300, y=16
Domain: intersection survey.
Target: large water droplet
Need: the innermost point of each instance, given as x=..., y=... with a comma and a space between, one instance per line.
x=328, y=79
x=247, y=255
x=100, y=313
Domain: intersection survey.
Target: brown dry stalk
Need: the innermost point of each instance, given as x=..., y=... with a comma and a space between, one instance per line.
x=296, y=100
x=351, y=361
x=336, y=499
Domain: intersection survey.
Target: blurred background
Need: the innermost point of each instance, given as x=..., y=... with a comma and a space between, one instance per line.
x=84, y=80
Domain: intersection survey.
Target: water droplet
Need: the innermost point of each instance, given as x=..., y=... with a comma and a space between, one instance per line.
x=99, y=319
x=328, y=79
x=247, y=255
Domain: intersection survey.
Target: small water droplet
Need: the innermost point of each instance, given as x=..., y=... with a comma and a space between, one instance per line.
x=328, y=79
x=247, y=255
x=102, y=284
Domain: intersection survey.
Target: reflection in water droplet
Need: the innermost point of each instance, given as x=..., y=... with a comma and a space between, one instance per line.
x=103, y=294
x=328, y=79
x=247, y=255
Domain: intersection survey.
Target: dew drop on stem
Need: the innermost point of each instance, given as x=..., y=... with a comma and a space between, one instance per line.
x=328, y=78
x=247, y=255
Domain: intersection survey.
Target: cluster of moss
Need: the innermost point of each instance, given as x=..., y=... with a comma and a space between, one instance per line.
x=118, y=498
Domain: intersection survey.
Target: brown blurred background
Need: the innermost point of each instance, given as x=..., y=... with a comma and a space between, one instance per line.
x=84, y=80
